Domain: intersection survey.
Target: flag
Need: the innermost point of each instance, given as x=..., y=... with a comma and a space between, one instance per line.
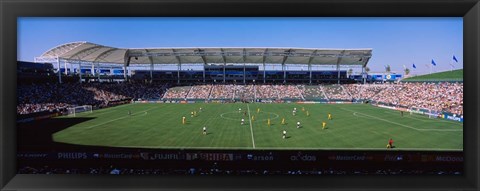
x=455, y=59
x=414, y=66
x=433, y=62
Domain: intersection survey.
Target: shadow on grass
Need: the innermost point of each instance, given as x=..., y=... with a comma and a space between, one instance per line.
x=39, y=133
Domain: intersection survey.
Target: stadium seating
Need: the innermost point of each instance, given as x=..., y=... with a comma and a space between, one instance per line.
x=222, y=92
x=312, y=92
x=336, y=92
x=177, y=92
x=444, y=96
x=199, y=92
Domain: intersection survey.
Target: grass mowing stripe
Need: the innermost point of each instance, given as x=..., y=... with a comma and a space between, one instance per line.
x=251, y=129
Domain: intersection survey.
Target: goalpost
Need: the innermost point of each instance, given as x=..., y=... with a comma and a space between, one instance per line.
x=72, y=111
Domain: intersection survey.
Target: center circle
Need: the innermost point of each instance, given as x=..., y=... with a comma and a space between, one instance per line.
x=222, y=116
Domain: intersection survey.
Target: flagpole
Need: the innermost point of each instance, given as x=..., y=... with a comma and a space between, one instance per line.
x=451, y=65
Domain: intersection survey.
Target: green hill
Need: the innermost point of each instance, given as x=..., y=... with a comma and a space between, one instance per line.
x=455, y=75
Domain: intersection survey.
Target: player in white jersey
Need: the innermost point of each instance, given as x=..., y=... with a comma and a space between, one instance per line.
x=298, y=124
x=204, y=130
x=284, y=134
x=243, y=121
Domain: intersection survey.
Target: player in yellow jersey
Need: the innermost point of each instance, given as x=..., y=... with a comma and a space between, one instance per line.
x=184, y=120
x=303, y=109
x=194, y=113
x=283, y=121
x=308, y=114
x=268, y=122
x=191, y=113
x=324, y=125
x=329, y=116
x=253, y=117
x=258, y=110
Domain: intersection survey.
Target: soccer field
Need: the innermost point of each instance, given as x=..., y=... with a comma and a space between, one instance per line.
x=353, y=127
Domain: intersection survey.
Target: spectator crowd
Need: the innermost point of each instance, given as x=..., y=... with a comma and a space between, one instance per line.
x=52, y=97
x=443, y=96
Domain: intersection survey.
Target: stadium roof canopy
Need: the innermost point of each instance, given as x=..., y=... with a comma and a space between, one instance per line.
x=95, y=53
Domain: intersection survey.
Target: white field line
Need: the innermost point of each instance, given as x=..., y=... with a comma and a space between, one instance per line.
x=251, y=129
x=222, y=116
x=103, y=111
x=290, y=148
x=424, y=120
x=355, y=112
x=118, y=118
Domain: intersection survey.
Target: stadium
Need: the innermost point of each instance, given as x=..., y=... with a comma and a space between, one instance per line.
x=231, y=98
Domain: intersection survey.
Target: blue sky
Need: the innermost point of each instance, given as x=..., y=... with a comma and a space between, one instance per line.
x=395, y=41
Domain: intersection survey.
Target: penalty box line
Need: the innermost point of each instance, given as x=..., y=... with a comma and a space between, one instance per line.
x=251, y=128
x=118, y=118
x=388, y=121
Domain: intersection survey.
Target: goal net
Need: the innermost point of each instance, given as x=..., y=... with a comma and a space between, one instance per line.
x=72, y=111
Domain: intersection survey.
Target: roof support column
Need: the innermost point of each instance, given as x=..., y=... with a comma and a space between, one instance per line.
x=151, y=72
x=93, y=70
x=338, y=65
x=59, y=72
x=65, y=63
x=126, y=62
x=310, y=70
x=71, y=69
x=264, y=72
x=244, y=73
x=363, y=75
x=98, y=73
x=125, y=73
x=338, y=71
x=204, y=73
x=80, y=70
x=224, y=63
x=178, y=72
x=179, y=65
x=244, y=60
x=283, y=65
x=202, y=54
x=151, y=65
x=264, y=67
x=310, y=64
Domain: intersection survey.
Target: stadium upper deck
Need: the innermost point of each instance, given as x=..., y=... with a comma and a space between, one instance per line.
x=90, y=52
x=95, y=55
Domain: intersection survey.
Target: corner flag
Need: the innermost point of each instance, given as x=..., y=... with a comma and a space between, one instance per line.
x=433, y=62
x=414, y=66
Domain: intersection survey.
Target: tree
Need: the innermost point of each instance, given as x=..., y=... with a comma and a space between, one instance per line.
x=350, y=71
x=407, y=71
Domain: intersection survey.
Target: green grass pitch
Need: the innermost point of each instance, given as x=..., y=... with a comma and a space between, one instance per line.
x=354, y=126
